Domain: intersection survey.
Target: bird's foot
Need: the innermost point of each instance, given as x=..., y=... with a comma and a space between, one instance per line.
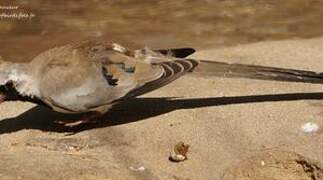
x=89, y=118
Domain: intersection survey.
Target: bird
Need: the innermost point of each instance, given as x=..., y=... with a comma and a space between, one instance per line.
x=92, y=76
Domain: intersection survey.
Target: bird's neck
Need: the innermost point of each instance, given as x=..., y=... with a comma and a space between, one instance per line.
x=11, y=94
x=18, y=75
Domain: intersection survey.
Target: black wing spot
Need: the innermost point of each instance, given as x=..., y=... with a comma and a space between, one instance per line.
x=130, y=69
x=125, y=68
x=112, y=81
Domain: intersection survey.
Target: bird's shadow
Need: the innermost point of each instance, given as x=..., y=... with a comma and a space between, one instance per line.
x=133, y=110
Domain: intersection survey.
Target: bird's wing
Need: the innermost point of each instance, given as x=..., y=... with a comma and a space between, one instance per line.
x=149, y=69
x=84, y=76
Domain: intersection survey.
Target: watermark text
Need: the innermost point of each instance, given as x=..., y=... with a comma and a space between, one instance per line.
x=14, y=12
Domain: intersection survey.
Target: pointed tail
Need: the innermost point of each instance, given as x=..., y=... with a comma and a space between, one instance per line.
x=221, y=69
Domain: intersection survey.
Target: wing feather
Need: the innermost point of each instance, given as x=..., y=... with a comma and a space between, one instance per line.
x=172, y=71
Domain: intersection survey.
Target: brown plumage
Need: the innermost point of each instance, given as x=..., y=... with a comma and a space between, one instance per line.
x=92, y=76
x=89, y=76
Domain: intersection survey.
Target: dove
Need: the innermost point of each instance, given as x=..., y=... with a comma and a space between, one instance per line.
x=93, y=76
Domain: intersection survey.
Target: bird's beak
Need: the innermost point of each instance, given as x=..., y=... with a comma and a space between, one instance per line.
x=2, y=98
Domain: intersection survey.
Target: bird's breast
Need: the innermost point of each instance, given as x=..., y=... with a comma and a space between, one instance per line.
x=77, y=98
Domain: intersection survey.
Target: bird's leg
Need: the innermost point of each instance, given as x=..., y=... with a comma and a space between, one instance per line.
x=88, y=118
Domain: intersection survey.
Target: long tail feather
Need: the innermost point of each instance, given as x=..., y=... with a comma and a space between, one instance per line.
x=221, y=69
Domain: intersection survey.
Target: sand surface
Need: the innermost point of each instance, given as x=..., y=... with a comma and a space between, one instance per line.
x=236, y=128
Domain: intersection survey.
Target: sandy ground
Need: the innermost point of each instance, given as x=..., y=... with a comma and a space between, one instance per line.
x=236, y=128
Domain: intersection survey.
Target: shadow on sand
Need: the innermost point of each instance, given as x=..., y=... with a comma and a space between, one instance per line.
x=133, y=110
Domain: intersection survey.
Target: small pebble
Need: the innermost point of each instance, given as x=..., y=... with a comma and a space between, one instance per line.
x=141, y=168
x=310, y=127
x=179, y=152
x=262, y=163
